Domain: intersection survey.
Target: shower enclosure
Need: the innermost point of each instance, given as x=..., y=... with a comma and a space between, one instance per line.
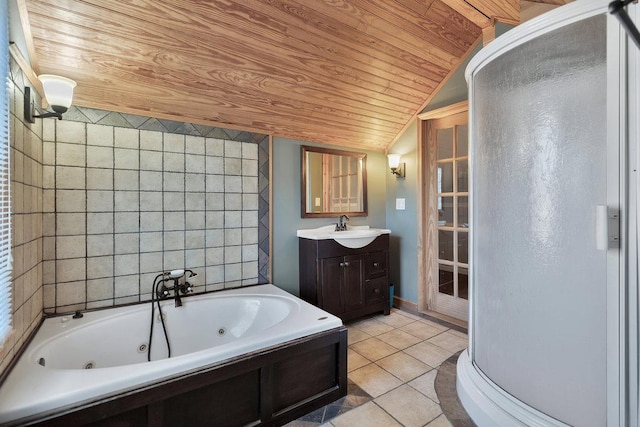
x=553, y=264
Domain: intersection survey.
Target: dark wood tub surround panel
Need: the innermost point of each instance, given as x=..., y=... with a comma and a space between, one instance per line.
x=265, y=388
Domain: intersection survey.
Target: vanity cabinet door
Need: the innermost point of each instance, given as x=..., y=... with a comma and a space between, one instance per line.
x=331, y=284
x=354, y=282
x=342, y=283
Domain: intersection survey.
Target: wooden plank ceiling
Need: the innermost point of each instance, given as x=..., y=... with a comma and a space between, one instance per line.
x=346, y=72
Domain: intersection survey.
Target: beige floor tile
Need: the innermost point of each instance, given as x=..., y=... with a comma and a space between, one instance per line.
x=411, y=408
x=374, y=380
x=425, y=384
x=354, y=335
x=373, y=349
x=429, y=353
x=403, y=366
x=298, y=423
x=399, y=339
x=355, y=360
x=458, y=333
x=327, y=425
x=372, y=326
x=422, y=330
x=441, y=421
x=405, y=314
x=367, y=415
x=449, y=341
x=394, y=319
x=435, y=325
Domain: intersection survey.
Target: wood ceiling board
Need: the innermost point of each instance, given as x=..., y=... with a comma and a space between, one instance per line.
x=507, y=11
x=218, y=44
x=347, y=73
x=469, y=12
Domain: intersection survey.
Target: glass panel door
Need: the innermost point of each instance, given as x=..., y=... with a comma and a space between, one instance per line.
x=450, y=136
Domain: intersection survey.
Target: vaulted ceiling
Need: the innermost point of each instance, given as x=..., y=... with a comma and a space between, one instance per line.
x=346, y=72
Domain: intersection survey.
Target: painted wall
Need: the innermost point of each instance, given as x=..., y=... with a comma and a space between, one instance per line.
x=287, y=200
x=404, y=223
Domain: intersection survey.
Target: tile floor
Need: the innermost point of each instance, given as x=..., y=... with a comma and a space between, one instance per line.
x=392, y=366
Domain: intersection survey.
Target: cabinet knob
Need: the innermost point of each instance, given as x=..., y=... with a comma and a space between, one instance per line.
x=346, y=264
x=341, y=264
x=376, y=291
x=376, y=264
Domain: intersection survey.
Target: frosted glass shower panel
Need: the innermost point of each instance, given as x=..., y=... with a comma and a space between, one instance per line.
x=539, y=160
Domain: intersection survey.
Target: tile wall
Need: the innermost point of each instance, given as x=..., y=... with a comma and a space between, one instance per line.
x=102, y=202
x=26, y=200
x=123, y=203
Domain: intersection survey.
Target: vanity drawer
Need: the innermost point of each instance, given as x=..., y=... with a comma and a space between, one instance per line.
x=376, y=290
x=376, y=264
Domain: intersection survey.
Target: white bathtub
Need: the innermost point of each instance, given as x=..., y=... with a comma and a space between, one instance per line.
x=205, y=331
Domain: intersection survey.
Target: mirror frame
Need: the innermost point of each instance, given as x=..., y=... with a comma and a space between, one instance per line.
x=303, y=186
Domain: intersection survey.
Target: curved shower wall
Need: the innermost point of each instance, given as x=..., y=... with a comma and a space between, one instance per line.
x=538, y=316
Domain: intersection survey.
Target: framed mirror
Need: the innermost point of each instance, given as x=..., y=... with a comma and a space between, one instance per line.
x=334, y=182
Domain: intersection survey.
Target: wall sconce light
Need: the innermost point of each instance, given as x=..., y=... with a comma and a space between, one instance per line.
x=397, y=168
x=57, y=90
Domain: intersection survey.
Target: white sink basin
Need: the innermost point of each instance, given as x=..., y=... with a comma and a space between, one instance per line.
x=357, y=236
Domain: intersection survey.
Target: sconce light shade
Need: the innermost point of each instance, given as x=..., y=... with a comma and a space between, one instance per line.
x=59, y=93
x=58, y=90
x=397, y=168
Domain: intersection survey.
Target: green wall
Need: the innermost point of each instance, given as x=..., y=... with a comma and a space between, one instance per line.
x=286, y=206
x=404, y=223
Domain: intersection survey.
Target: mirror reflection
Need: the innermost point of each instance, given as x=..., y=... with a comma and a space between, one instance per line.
x=333, y=183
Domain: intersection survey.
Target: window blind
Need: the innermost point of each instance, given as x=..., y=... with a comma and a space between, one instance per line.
x=5, y=194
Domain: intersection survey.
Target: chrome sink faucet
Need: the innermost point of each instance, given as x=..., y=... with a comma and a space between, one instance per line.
x=342, y=226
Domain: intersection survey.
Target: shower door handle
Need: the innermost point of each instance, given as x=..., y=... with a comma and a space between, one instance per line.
x=607, y=228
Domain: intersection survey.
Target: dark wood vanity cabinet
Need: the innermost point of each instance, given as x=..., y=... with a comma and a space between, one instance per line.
x=344, y=281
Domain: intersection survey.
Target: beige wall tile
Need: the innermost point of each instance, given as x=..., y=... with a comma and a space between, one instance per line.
x=194, y=144
x=99, y=157
x=100, y=135
x=70, y=270
x=70, y=247
x=70, y=154
x=99, y=179
x=150, y=140
x=69, y=131
x=127, y=138
x=173, y=143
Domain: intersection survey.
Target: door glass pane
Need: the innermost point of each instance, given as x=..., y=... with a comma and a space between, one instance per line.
x=463, y=212
x=445, y=279
x=463, y=247
x=444, y=141
x=445, y=211
x=445, y=177
x=462, y=142
x=445, y=245
x=462, y=171
x=463, y=283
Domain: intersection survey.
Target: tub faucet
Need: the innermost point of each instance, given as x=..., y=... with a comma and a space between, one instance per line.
x=178, y=288
x=342, y=226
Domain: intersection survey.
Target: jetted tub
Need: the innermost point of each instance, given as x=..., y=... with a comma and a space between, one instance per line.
x=73, y=361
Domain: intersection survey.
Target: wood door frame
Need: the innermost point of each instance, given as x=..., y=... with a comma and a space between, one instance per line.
x=427, y=206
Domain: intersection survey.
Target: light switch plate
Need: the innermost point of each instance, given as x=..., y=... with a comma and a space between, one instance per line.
x=399, y=204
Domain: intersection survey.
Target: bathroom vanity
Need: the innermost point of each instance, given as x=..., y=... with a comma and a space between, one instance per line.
x=345, y=273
